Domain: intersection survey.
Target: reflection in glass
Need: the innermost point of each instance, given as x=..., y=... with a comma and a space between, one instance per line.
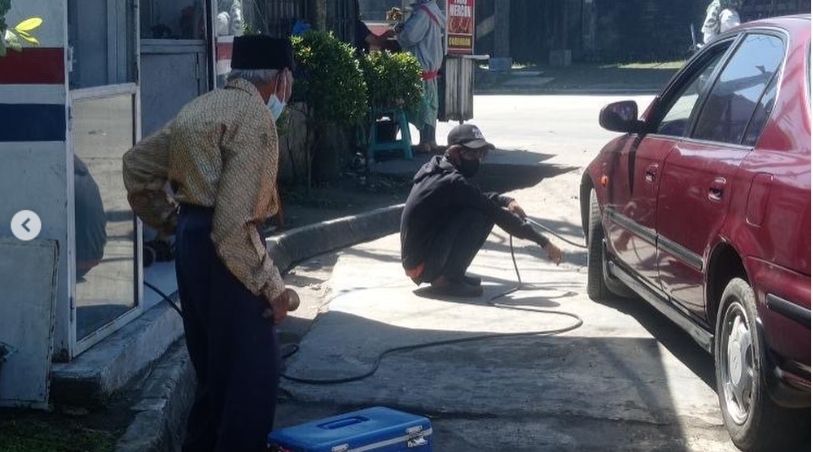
x=100, y=34
x=173, y=19
x=105, y=227
x=734, y=98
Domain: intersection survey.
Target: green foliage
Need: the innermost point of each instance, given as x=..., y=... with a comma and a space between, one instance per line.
x=331, y=83
x=52, y=434
x=5, y=6
x=393, y=79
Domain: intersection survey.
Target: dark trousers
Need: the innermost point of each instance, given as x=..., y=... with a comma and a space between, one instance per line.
x=457, y=240
x=234, y=350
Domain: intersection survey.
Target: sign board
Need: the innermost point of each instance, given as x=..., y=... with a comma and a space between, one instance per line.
x=460, y=27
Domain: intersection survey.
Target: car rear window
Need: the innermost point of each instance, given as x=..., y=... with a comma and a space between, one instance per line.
x=738, y=92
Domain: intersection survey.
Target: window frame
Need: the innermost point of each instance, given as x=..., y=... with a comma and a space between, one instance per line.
x=687, y=76
x=775, y=32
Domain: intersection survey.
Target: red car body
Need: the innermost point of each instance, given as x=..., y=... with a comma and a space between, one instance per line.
x=682, y=215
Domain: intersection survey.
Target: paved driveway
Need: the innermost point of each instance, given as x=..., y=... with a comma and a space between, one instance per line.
x=625, y=380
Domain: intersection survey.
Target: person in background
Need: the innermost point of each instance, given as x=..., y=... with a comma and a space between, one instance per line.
x=221, y=156
x=366, y=40
x=721, y=16
x=447, y=219
x=229, y=20
x=91, y=220
x=422, y=35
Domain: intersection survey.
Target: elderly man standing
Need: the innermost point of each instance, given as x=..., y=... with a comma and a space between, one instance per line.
x=422, y=35
x=220, y=155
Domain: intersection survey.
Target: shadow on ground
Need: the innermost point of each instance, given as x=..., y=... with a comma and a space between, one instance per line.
x=525, y=385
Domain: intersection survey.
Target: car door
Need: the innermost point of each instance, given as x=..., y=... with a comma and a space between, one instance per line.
x=633, y=191
x=697, y=177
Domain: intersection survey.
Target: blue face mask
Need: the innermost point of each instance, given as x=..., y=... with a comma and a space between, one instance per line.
x=275, y=106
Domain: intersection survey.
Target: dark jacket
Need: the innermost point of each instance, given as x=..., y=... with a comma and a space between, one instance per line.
x=439, y=192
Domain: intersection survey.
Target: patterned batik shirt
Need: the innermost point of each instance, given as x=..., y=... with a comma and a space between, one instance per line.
x=221, y=151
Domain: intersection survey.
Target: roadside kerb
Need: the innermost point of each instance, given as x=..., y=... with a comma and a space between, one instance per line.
x=296, y=245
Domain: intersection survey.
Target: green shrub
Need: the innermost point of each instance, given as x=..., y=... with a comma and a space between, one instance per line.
x=330, y=83
x=393, y=79
x=329, y=80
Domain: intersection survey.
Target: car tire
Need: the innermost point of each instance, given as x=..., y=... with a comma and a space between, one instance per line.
x=754, y=421
x=600, y=285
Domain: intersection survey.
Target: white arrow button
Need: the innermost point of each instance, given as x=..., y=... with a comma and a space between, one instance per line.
x=26, y=225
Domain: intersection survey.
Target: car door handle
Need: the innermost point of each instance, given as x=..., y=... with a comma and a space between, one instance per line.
x=651, y=173
x=717, y=189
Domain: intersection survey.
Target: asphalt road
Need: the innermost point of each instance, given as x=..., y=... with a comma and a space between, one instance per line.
x=627, y=379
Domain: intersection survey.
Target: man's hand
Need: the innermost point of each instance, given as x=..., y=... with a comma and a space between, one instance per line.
x=515, y=208
x=554, y=253
x=279, y=307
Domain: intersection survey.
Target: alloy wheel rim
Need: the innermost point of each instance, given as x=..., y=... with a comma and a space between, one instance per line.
x=738, y=366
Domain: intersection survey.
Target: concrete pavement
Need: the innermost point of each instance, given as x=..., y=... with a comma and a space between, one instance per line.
x=626, y=380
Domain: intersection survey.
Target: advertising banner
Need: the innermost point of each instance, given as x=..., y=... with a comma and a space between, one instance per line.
x=460, y=27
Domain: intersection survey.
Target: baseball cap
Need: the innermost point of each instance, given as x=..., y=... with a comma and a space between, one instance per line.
x=468, y=136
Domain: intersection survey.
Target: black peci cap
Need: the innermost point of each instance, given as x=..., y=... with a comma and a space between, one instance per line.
x=262, y=52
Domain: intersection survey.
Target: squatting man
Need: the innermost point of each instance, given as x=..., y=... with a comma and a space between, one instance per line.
x=447, y=218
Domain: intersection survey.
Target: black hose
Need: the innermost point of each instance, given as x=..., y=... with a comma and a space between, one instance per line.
x=559, y=236
x=374, y=368
x=165, y=297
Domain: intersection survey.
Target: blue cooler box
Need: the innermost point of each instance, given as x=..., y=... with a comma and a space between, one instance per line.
x=374, y=429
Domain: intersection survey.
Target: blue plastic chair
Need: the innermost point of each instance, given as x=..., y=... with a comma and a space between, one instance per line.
x=377, y=145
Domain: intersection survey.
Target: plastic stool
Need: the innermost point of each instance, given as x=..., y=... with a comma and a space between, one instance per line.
x=404, y=144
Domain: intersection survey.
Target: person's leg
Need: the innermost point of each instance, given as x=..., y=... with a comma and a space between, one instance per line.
x=431, y=118
x=467, y=243
x=429, y=114
x=248, y=354
x=192, y=274
x=455, y=244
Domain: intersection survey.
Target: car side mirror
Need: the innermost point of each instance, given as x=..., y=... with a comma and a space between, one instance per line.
x=621, y=117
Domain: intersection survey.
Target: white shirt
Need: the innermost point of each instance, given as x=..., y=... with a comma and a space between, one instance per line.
x=729, y=19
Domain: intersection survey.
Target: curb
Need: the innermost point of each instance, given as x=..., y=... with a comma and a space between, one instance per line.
x=91, y=378
x=168, y=392
x=294, y=246
x=163, y=403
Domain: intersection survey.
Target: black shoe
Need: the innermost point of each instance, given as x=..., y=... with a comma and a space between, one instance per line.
x=472, y=280
x=457, y=289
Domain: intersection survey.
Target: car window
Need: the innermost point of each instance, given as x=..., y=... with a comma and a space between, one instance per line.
x=764, y=108
x=735, y=97
x=676, y=119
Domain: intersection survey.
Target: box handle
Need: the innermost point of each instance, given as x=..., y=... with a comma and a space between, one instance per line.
x=341, y=423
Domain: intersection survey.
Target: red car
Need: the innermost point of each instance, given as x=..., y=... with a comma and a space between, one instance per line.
x=702, y=208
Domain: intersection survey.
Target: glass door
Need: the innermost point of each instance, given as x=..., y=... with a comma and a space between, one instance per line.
x=104, y=124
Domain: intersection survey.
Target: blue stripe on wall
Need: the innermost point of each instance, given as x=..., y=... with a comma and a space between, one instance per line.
x=32, y=122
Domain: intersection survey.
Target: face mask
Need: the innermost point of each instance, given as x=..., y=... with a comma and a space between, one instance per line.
x=469, y=168
x=275, y=106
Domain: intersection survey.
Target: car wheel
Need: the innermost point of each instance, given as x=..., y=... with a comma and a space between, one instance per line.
x=600, y=285
x=752, y=418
